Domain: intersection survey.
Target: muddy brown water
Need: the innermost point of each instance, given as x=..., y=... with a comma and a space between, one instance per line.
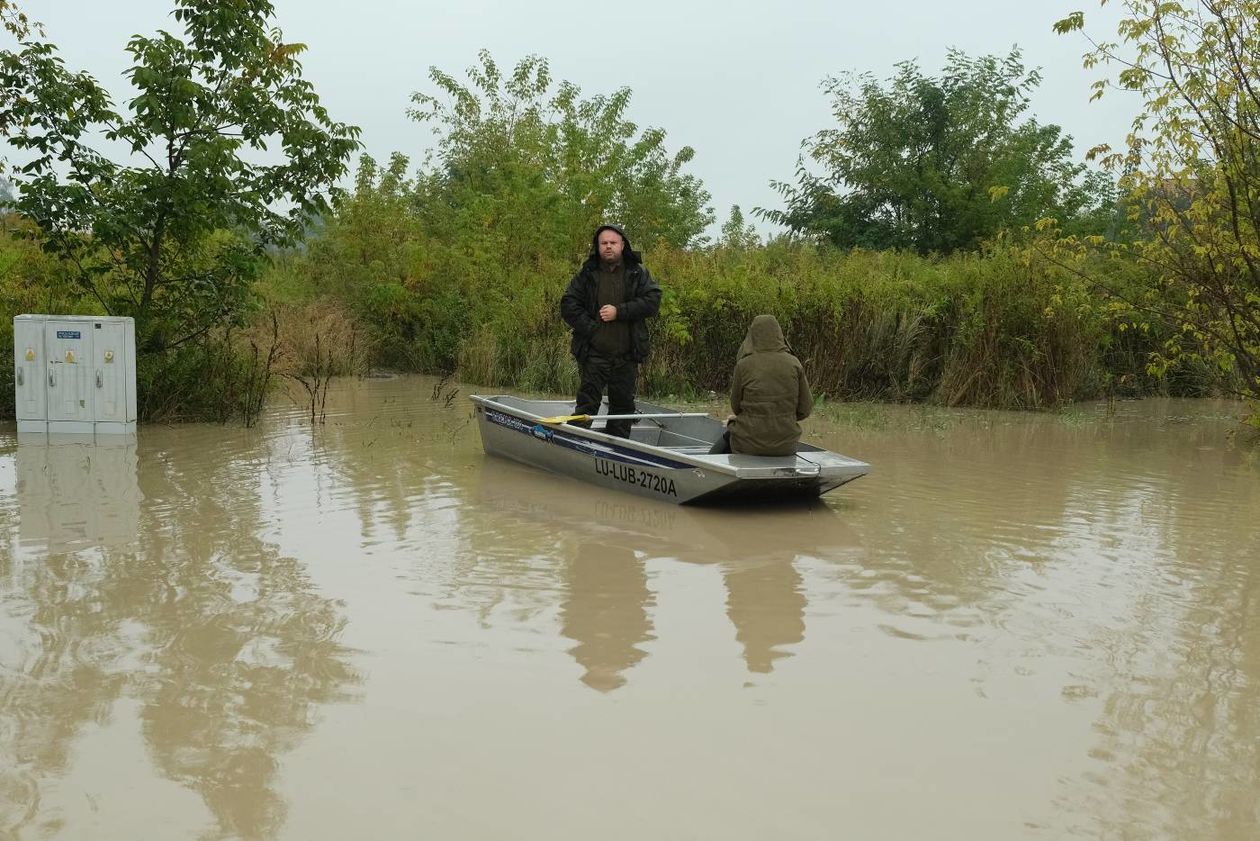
x=1018, y=626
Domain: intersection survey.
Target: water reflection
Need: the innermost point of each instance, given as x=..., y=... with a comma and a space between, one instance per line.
x=391, y=451
x=766, y=603
x=1177, y=736
x=607, y=603
x=223, y=643
x=1118, y=568
x=75, y=493
x=605, y=611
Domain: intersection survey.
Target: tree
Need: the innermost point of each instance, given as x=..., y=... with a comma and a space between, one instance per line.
x=16, y=23
x=1192, y=167
x=176, y=236
x=934, y=164
x=542, y=167
x=736, y=233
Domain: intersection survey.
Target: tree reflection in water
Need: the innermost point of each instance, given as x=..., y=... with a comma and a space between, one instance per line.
x=224, y=643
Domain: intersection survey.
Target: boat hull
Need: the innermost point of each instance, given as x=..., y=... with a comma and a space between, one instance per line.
x=682, y=472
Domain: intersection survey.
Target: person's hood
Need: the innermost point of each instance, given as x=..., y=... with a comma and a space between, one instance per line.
x=764, y=336
x=629, y=257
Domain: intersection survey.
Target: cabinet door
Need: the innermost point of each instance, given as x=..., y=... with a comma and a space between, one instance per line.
x=109, y=371
x=69, y=348
x=29, y=369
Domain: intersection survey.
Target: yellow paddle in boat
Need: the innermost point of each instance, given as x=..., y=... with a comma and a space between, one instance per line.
x=568, y=418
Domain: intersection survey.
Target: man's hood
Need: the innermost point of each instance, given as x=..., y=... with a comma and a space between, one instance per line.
x=629, y=257
x=764, y=336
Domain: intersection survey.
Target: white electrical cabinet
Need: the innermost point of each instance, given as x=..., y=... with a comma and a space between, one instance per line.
x=75, y=374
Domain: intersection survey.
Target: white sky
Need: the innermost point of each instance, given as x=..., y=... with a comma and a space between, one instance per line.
x=736, y=80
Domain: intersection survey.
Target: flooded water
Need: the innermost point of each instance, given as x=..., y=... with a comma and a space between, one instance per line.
x=1017, y=626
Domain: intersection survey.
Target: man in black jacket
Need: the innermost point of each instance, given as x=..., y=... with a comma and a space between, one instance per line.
x=607, y=304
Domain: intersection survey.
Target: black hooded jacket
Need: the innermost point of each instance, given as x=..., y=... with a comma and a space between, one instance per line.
x=579, y=306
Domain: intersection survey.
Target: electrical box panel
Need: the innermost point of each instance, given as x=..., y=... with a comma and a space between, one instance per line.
x=75, y=374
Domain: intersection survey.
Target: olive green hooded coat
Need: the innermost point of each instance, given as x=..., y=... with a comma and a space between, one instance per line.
x=769, y=393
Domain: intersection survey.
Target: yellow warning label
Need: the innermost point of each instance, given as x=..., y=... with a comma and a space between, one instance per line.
x=70, y=356
x=30, y=354
x=109, y=356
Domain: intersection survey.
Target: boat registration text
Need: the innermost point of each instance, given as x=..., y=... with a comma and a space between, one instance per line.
x=635, y=476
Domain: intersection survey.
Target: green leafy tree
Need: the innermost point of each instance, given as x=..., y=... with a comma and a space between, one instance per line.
x=14, y=21
x=176, y=234
x=1192, y=167
x=540, y=167
x=736, y=233
x=374, y=256
x=934, y=164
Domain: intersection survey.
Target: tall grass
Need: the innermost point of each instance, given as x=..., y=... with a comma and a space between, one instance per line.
x=1003, y=328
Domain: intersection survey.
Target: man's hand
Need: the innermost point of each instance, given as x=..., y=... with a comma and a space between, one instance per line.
x=607, y=313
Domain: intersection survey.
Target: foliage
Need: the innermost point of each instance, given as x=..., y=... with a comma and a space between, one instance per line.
x=935, y=164
x=1009, y=327
x=1003, y=329
x=374, y=256
x=1192, y=167
x=736, y=233
x=14, y=20
x=541, y=167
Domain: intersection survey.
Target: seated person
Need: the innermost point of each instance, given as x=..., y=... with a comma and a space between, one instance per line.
x=769, y=395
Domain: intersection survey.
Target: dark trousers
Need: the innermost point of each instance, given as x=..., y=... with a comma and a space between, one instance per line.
x=722, y=445
x=616, y=375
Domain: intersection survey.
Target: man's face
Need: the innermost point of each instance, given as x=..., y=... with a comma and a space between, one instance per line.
x=610, y=246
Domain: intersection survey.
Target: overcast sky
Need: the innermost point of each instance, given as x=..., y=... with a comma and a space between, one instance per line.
x=738, y=81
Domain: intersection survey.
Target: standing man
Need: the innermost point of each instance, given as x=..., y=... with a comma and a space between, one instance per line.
x=607, y=304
